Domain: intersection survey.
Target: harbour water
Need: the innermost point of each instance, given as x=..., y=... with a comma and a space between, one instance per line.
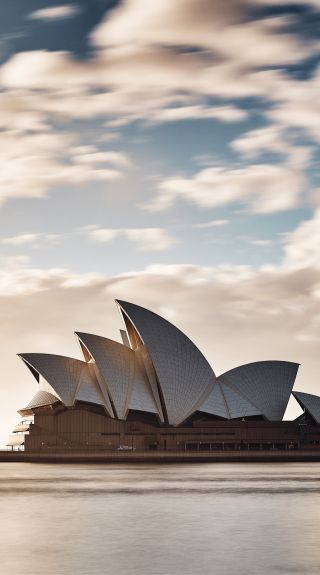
x=186, y=519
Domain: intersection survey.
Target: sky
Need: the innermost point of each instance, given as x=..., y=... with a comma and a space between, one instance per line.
x=165, y=153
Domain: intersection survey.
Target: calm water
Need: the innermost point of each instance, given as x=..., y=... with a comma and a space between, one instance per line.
x=217, y=519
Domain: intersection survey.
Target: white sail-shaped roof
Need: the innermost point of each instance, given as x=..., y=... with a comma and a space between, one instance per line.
x=88, y=388
x=237, y=405
x=215, y=403
x=42, y=398
x=184, y=375
x=141, y=398
x=64, y=376
x=114, y=365
x=120, y=375
x=266, y=385
x=309, y=402
x=227, y=402
x=159, y=370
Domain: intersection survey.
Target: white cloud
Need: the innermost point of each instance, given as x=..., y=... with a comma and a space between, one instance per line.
x=269, y=139
x=301, y=114
x=55, y=12
x=103, y=235
x=262, y=188
x=223, y=113
x=261, y=242
x=302, y=245
x=30, y=239
x=146, y=239
x=32, y=164
x=91, y=155
x=315, y=3
x=212, y=224
x=206, y=24
x=257, y=242
x=154, y=239
x=139, y=65
x=43, y=69
x=142, y=70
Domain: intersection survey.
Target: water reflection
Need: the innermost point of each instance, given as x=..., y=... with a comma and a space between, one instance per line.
x=160, y=519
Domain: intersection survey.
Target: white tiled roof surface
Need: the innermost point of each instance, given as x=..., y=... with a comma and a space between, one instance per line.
x=309, y=402
x=183, y=373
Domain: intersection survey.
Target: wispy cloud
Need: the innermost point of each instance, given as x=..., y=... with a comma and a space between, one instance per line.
x=211, y=224
x=33, y=239
x=174, y=114
x=255, y=142
x=159, y=63
x=302, y=245
x=263, y=188
x=34, y=163
x=146, y=239
x=55, y=12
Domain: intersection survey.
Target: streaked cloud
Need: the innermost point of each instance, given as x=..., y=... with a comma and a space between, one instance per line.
x=146, y=239
x=223, y=113
x=34, y=163
x=142, y=71
x=269, y=139
x=212, y=224
x=91, y=155
x=207, y=25
x=262, y=188
x=55, y=12
x=302, y=245
x=33, y=239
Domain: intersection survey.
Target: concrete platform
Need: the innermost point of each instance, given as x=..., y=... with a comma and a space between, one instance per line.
x=302, y=455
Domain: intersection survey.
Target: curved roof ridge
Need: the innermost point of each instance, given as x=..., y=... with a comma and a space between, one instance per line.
x=87, y=333
x=58, y=355
x=261, y=361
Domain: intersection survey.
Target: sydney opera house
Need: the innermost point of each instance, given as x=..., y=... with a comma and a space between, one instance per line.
x=155, y=391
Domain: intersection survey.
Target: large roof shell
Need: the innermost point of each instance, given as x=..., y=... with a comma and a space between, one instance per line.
x=141, y=398
x=225, y=401
x=309, y=402
x=159, y=370
x=114, y=364
x=215, y=403
x=120, y=374
x=266, y=385
x=65, y=376
x=40, y=399
x=184, y=376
